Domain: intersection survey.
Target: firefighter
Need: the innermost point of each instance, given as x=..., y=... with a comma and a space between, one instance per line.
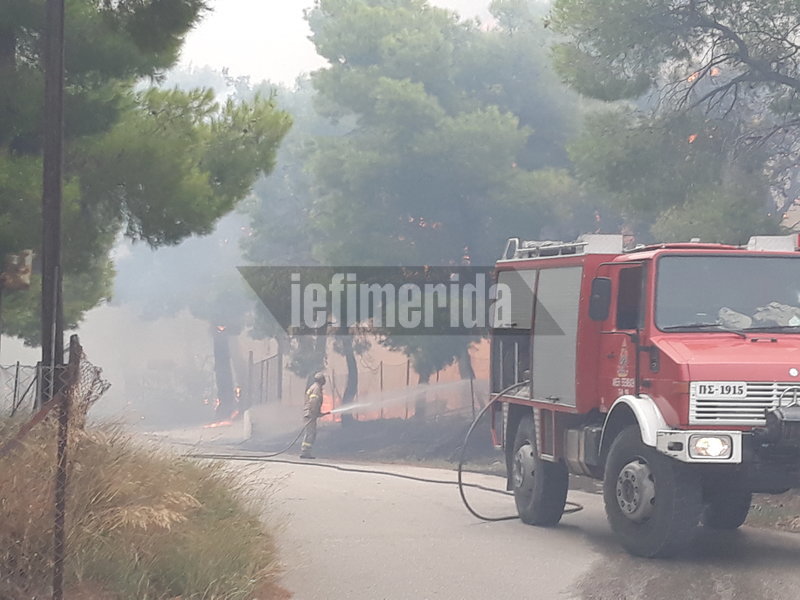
x=312, y=410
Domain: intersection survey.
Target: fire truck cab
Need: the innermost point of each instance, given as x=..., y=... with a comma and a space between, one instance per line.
x=670, y=372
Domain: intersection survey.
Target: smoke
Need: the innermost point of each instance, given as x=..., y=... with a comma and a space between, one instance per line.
x=431, y=393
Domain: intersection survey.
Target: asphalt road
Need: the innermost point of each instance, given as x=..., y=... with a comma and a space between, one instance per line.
x=356, y=536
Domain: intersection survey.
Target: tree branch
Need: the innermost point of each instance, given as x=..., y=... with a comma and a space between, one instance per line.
x=743, y=53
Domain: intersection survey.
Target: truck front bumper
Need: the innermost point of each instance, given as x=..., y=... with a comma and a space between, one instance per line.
x=698, y=446
x=781, y=434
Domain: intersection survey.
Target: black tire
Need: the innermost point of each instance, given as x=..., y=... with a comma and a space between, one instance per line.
x=727, y=510
x=653, y=502
x=539, y=486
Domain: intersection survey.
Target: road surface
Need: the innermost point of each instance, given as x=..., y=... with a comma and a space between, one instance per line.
x=356, y=536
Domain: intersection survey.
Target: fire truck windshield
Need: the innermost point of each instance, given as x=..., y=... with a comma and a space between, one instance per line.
x=719, y=293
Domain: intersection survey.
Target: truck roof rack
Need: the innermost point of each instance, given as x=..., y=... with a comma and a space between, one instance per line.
x=681, y=246
x=517, y=249
x=775, y=243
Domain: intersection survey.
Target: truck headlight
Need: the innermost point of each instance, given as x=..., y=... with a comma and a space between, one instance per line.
x=710, y=446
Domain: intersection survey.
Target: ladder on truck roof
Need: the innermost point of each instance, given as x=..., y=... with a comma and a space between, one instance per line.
x=517, y=249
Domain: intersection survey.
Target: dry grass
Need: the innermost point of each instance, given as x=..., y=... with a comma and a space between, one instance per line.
x=141, y=524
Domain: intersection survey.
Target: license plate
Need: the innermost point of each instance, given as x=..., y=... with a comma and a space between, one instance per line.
x=724, y=390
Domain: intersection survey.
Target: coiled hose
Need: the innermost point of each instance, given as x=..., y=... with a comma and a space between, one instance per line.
x=573, y=506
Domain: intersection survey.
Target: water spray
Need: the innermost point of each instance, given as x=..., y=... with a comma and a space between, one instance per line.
x=397, y=396
x=347, y=408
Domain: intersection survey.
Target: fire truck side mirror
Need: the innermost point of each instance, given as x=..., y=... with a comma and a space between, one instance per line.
x=600, y=302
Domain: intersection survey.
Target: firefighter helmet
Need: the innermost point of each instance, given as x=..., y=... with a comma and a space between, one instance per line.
x=319, y=377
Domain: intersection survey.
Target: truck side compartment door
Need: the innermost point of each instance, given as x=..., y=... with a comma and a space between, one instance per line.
x=555, y=334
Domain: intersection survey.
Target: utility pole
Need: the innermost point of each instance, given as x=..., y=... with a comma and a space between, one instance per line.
x=52, y=312
x=52, y=315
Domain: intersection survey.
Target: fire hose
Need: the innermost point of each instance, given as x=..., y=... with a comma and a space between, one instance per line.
x=272, y=457
x=573, y=506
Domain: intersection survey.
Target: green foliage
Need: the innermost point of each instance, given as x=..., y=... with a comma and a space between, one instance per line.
x=281, y=205
x=157, y=165
x=178, y=161
x=444, y=141
x=668, y=40
x=82, y=291
x=727, y=214
x=673, y=174
x=710, y=146
x=589, y=75
x=457, y=141
x=430, y=353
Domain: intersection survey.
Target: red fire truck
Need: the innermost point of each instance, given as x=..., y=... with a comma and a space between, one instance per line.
x=670, y=372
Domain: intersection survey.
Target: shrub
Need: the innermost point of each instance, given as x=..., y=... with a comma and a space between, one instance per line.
x=141, y=523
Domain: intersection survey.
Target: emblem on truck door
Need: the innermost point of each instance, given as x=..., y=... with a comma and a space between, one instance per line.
x=622, y=366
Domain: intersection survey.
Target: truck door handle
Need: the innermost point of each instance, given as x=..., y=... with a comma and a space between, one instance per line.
x=611, y=355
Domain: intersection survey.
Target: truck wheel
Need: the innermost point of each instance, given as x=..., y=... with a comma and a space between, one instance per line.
x=727, y=511
x=540, y=486
x=653, y=502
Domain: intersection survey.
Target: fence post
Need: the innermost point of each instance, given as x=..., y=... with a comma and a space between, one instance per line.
x=279, y=382
x=472, y=395
x=37, y=400
x=16, y=389
x=408, y=382
x=333, y=388
x=261, y=388
x=381, y=383
x=65, y=392
x=21, y=399
x=266, y=380
x=250, y=379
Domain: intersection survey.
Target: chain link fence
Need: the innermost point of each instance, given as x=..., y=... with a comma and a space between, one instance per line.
x=265, y=380
x=35, y=463
x=386, y=390
x=18, y=388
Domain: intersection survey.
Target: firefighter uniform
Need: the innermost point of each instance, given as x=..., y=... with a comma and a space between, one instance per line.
x=312, y=410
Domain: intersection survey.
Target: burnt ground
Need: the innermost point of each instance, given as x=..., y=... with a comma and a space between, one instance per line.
x=435, y=442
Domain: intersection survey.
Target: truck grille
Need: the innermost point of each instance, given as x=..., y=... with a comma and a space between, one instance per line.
x=750, y=410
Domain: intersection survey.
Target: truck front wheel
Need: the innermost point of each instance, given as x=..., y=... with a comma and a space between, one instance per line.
x=653, y=502
x=727, y=511
x=540, y=487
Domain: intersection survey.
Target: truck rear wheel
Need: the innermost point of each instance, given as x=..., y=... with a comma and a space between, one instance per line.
x=727, y=510
x=653, y=502
x=540, y=487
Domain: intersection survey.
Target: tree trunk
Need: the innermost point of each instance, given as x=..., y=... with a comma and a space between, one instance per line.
x=223, y=375
x=421, y=405
x=239, y=364
x=465, y=369
x=351, y=389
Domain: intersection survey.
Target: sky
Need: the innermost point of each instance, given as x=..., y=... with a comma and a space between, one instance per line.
x=267, y=39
